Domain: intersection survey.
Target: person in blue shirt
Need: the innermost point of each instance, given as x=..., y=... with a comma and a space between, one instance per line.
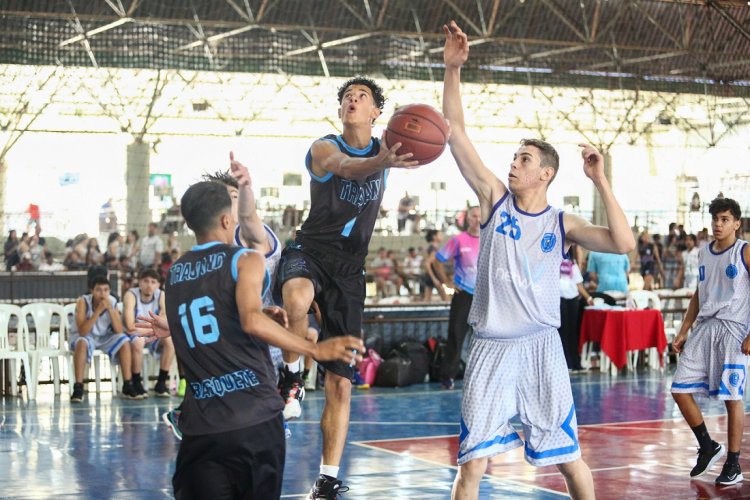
x=611, y=271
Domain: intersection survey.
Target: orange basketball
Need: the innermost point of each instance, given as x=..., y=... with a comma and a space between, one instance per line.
x=421, y=130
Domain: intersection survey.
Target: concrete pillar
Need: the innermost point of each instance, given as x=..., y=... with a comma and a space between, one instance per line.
x=600, y=215
x=137, y=180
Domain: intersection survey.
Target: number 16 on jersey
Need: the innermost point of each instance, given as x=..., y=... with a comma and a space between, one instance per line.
x=205, y=328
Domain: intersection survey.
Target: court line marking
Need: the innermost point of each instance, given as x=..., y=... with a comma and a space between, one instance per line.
x=485, y=477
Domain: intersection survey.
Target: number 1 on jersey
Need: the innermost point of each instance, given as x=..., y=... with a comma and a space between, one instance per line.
x=205, y=328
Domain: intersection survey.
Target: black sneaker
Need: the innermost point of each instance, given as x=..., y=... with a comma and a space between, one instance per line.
x=327, y=487
x=292, y=389
x=139, y=389
x=160, y=389
x=730, y=474
x=707, y=459
x=129, y=392
x=77, y=396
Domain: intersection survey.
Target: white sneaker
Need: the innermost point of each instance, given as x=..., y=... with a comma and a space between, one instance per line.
x=292, y=409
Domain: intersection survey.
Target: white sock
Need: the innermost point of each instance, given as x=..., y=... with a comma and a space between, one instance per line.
x=294, y=366
x=330, y=470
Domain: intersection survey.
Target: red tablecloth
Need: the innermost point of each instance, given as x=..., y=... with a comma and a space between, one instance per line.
x=622, y=331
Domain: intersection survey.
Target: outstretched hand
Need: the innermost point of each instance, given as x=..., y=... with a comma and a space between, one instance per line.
x=389, y=157
x=456, y=49
x=344, y=349
x=152, y=327
x=593, y=161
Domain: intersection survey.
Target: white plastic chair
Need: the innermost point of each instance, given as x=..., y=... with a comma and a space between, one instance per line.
x=98, y=356
x=19, y=351
x=41, y=314
x=643, y=299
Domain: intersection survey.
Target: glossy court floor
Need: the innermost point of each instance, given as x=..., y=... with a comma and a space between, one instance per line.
x=402, y=444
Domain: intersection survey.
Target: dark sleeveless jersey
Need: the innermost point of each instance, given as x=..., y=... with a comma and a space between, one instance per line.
x=232, y=382
x=343, y=212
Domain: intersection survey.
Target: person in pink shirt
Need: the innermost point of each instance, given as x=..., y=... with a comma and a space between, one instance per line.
x=464, y=250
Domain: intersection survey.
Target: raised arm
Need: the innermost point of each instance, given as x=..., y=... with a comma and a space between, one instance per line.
x=327, y=158
x=252, y=231
x=250, y=273
x=485, y=184
x=617, y=237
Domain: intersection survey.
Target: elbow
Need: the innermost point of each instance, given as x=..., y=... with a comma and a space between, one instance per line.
x=627, y=245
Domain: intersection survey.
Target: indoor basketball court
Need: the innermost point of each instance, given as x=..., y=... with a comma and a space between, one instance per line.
x=402, y=444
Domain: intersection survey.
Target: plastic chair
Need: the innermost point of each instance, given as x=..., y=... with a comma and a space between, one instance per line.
x=41, y=314
x=19, y=351
x=643, y=299
x=98, y=356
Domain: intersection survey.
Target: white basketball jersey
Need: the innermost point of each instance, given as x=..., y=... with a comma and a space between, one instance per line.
x=518, y=272
x=142, y=308
x=272, y=261
x=103, y=325
x=724, y=285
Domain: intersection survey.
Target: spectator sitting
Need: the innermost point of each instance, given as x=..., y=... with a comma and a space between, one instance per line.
x=382, y=269
x=412, y=269
x=430, y=278
x=98, y=325
x=151, y=248
x=11, y=250
x=49, y=265
x=73, y=262
x=94, y=256
x=25, y=265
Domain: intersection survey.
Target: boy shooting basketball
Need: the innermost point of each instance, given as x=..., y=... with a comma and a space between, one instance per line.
x=516, y=364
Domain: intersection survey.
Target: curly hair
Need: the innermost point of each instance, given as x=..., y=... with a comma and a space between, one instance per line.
x=222, y=177
x=377, y=91
x=719, y=205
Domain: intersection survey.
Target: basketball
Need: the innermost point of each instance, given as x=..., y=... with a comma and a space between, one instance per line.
x=421, y=130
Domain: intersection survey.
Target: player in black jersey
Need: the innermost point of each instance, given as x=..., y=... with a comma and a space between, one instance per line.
x=233, y=444
x=326, y=262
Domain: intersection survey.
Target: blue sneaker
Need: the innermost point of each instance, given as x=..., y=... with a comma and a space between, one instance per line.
x=172, y=419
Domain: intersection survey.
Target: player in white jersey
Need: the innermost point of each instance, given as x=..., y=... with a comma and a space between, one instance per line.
x=138, y=301
x=516, y=365
x=714, y=356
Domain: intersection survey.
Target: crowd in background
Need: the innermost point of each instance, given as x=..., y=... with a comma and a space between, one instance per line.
x=129, y=255
x=669, y=262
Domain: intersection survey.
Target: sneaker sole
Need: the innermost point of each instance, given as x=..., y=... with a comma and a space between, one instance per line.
x=175, y=431
x=162, y=394
x=292, y=410
x=736, y=480
x=713, y=461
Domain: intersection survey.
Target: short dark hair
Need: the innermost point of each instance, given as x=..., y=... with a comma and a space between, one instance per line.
x=692, y=237
x=149, y=273
x=222, y=177
x=99, y=280
x=203, y=203
x=430, y=235
x=719, y=205
x=377, y=91
x=548, y=157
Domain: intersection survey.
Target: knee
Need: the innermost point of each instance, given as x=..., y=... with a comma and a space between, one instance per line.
x=338, y=388
x=472, y=471
x=297, y=295
x=573, y=469
x=137, y=343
